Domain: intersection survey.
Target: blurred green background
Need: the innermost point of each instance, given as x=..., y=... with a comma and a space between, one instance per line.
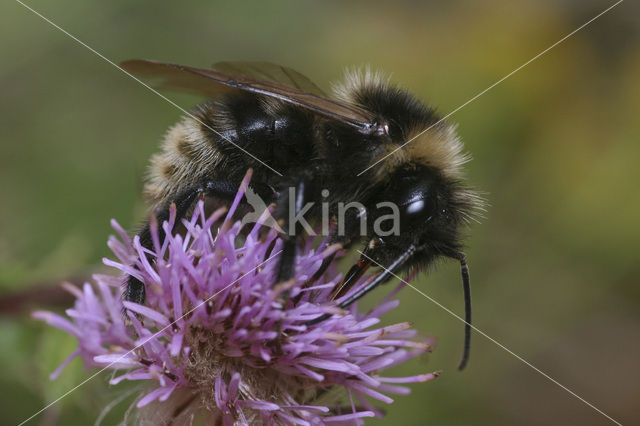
x=554, y=265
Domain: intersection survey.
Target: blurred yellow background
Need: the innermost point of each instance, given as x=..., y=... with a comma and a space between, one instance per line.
x=556, y=148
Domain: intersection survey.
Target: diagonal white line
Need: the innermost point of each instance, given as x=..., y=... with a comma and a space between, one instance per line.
x=496, y=342
x=148, y=87
x=143, y=343
x=494, y=85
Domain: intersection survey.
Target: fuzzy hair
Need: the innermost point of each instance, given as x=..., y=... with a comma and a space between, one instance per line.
x=185, y=149
x=436, y=145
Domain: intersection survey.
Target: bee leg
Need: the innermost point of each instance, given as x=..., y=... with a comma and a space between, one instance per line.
x=134, y=289
x=321, y=270
x=287, y=258
x=350, y=278
x=286, y=262
x=383, y=276
x=316, y=276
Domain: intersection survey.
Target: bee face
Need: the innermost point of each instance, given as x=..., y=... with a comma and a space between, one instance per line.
x=428, y=216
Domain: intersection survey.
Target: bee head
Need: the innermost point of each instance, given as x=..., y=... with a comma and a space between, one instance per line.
x=429, y=210
x=414, y=160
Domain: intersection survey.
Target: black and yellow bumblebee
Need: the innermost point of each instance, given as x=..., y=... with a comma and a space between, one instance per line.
x=274, y=120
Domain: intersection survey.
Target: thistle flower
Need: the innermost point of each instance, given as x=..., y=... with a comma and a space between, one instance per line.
x=218, y=343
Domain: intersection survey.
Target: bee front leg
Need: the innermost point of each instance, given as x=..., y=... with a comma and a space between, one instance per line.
x=384, y=275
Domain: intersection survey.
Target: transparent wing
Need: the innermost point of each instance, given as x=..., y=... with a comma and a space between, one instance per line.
x=213, y=82
x=269, y=71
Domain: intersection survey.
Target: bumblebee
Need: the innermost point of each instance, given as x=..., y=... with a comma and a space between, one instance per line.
x=337, y=148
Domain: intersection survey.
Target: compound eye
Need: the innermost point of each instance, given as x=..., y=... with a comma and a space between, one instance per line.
x=417, y=209
x=414, y=208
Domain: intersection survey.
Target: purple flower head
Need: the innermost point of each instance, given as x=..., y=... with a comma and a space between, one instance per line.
x=216, y=341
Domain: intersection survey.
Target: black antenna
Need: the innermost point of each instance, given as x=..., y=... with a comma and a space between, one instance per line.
x=464, y=269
